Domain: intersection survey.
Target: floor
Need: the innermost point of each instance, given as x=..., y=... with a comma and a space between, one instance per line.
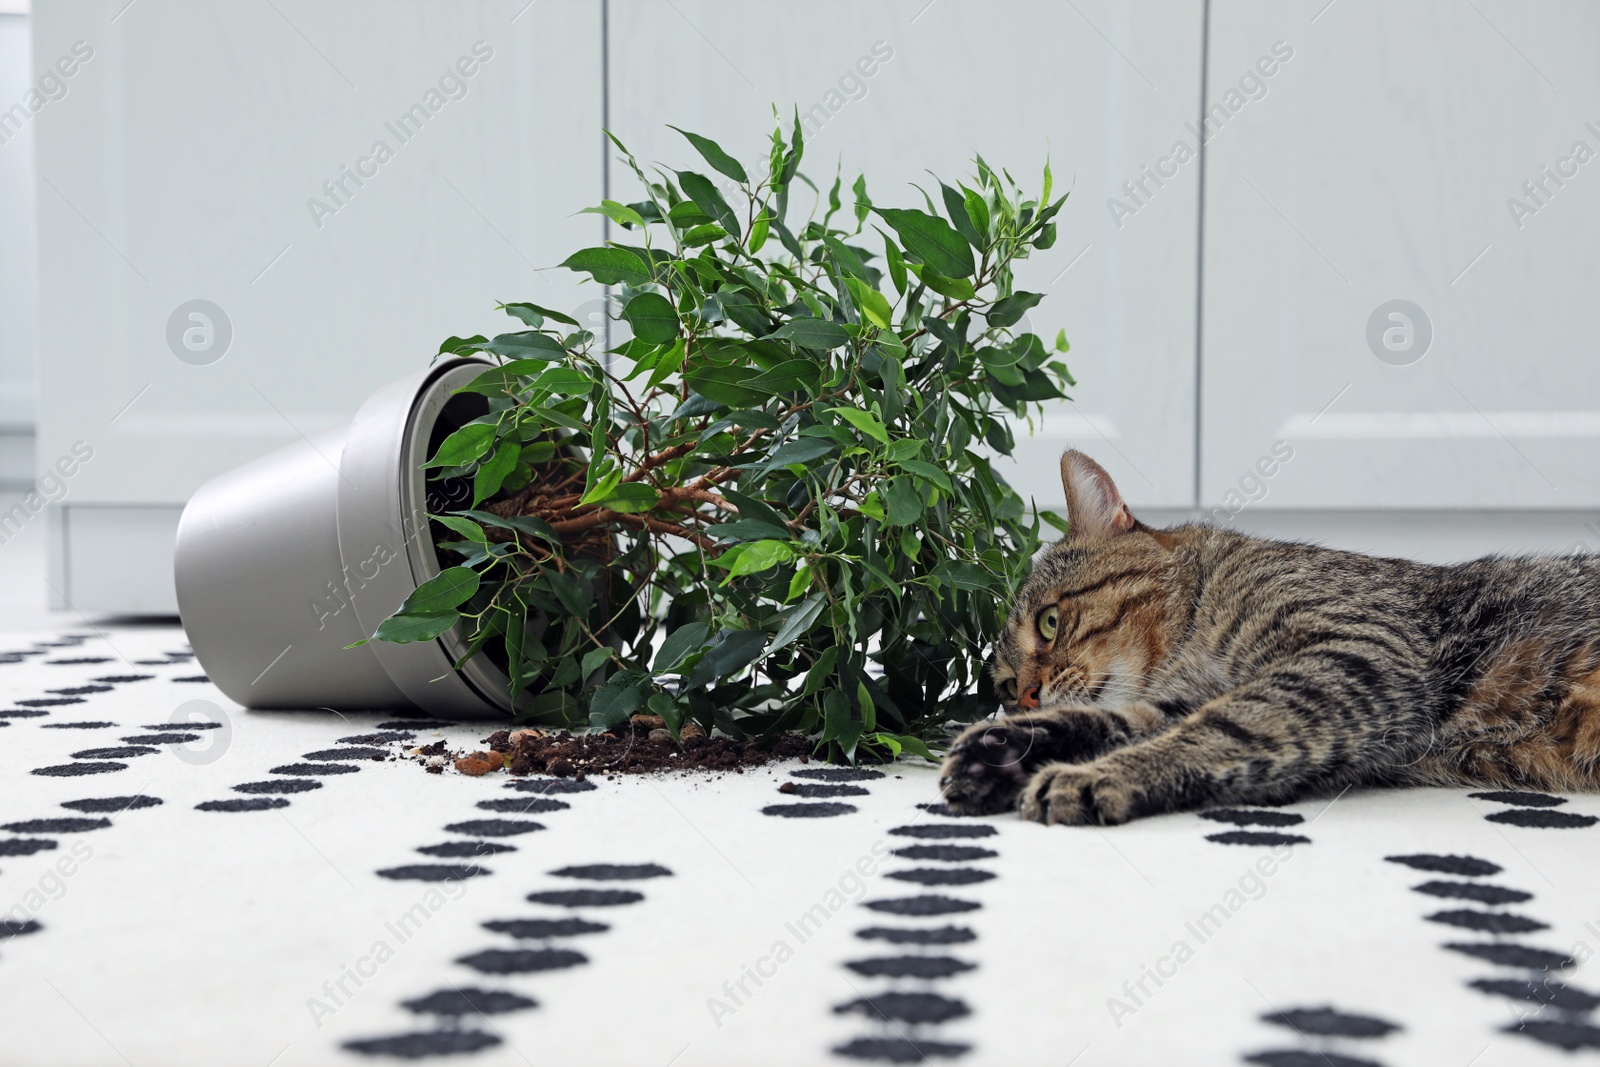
x=185, y=882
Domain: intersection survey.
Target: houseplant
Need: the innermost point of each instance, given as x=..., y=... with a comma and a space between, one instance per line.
x=770, y=508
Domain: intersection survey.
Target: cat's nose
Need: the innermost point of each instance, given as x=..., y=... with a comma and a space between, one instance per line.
x=1029, y=697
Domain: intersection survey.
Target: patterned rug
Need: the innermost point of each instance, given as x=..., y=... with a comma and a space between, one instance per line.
x=183, y=882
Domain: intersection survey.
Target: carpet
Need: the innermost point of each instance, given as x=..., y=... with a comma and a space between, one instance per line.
x=185, y=882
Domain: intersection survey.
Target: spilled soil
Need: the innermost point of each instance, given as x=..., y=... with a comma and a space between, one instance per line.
x=641, y=746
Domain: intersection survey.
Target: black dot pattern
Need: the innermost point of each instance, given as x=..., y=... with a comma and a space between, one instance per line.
x=55, y=826
x=469, y=1001
x=524, y=805
x=925, y=935
x=812, y=790
x=539, y=929
x=1464, y=866
x=551, y=786
x=74, y=770
x=1481, y=892
x=277, y=786
x=1542, y=818
x=315, y=769
x=433, y=872
x=820, y=810
x=1257, y=837
x=495, y=827
x=112, y=804
x=458, y=1008
x=243, y=804
x=1523, y=799
x=891, y=1010
x=837, y=774
x=462, y=849
x=522, y=960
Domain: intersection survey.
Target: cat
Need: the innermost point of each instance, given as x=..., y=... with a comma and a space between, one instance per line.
x=1149, y=670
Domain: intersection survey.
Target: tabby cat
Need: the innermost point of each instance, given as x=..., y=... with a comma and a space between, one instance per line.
x=1146, y=671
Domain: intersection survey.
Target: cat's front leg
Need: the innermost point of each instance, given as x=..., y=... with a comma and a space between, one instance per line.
x=990, y=763
x=1303, y=727
x=1100, y=793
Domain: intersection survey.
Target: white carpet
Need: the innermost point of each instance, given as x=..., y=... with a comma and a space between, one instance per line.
x=177, y=935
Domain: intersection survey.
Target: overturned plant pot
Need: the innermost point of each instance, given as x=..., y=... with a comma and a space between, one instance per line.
x=284, y=562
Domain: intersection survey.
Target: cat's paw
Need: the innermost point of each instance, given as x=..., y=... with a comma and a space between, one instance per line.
x=989, y=764
x=1087, y=794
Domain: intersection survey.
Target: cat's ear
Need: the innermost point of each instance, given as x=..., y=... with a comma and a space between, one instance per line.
x=1094, y=507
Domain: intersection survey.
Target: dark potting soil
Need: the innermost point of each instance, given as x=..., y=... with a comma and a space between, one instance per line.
x=627, y=749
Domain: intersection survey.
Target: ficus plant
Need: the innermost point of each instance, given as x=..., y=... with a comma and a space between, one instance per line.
x=772, y=507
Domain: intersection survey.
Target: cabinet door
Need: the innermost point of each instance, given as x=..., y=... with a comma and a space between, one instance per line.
x=1103, y=90
x=343, y=194
x=1439, y=154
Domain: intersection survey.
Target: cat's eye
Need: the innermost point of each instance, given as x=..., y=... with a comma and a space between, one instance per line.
x=1008, y=689
x=1047, y=623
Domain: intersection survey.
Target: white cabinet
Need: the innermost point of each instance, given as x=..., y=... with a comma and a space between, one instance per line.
x=344, y=185
x=1442, y=153
x=1104, y=89
x=1357, y=154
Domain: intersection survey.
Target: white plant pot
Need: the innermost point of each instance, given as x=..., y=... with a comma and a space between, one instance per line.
x=283, y=562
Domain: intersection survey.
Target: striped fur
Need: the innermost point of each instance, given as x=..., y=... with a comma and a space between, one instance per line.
x=1197, y=665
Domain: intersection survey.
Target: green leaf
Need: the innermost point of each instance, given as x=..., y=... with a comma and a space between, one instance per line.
x=492, y=472
x=609, y=266
x=463, y=446
x=932, y=240
x=733, y=651
x=955, y=205
x=594, y=659
x=629, y=498
x=465, y=527
x=964, y=575
x=873, y=305
x=789, y=376
x=798, y=621
x=453, y=345
x=713, y=154
x=621, y=214
x=978, y=212
x=758, y=232
x=652, y=317
x=530, y=344
x=617, y=699
x=954, y=288
x=521, y=523
x=707, y=199
x=534, y=315
x=409, y=629
x=869, y=714
x=812, y=333
x=802, y=451
x=1055, y=520
x=902, y=502
x=747, y=530
x=449, y=589
x=679, y=644
x=865, y=421
x=563, y=380
x=569, y=591
x=800, y=582
x=928, y=471
x=863, y=203
x=752, y=557
x=1008, y=311
x=602, y=486
x=897, y=265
